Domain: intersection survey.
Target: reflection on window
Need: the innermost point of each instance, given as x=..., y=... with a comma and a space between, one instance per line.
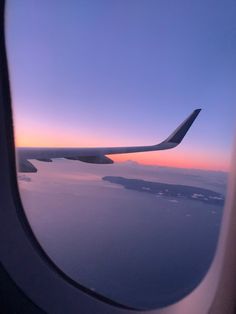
x=143, y=230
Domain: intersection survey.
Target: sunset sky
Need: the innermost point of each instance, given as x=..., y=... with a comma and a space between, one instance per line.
x=125, y=72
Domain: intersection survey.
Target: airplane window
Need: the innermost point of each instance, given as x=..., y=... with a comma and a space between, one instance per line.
x=122, y=177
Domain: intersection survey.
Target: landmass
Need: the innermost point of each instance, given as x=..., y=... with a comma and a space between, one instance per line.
x=172, y=191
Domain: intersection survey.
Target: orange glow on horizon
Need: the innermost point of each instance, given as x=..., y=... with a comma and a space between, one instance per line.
x=169, y=158
x=43, y=136
x=175, y=160
x=180, y=157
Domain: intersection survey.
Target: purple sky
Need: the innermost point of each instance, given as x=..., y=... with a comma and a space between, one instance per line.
x=127, y=72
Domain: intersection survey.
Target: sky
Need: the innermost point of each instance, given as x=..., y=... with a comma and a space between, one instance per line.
x=125, y=72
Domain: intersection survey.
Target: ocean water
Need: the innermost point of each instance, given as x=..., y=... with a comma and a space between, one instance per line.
x=144, y=244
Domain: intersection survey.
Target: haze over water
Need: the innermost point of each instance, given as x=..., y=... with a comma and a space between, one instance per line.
x=138, y=244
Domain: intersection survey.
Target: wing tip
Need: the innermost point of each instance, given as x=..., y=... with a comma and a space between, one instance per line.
x=197, y=111
x=177, y=136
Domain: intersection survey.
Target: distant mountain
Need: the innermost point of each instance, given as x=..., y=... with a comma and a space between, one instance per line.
x=172, y=191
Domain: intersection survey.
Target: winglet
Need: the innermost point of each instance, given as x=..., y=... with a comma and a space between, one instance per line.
x=177, y=136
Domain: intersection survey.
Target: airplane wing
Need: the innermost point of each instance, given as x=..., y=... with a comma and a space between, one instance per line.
x=98, y=155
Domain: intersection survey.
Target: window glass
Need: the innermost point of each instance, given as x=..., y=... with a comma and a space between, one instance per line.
x=143, y=230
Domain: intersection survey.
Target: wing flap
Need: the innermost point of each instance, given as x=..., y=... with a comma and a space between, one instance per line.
x=93, y=159
x=25, y=166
